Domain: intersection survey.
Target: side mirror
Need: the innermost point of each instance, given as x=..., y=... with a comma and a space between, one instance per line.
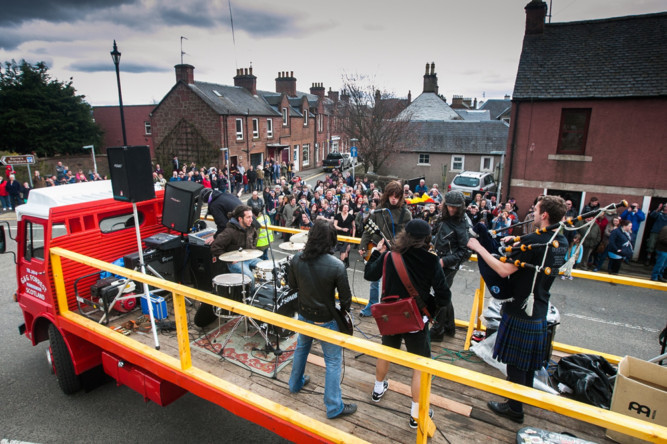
x=3, y=244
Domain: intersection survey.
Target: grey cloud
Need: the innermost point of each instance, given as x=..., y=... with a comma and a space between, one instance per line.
x=15, y=12
x=135, y=68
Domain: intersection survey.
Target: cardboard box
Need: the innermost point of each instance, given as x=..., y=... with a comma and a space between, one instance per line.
x=640, y=391
x=159, y=306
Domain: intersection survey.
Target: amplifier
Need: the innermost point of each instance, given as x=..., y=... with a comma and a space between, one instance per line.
x=200, y=237
x=162, y=262
x=163, y=241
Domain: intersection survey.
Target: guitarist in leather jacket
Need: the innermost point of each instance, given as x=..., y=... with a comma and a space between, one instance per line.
x=450, y=243
x=390, y=217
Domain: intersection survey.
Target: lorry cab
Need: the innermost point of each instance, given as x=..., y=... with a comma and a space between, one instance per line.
x=80, y=217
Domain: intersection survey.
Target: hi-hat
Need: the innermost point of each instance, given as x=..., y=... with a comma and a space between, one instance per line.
x=240, y=255
x=299, y=237
x=292, y=246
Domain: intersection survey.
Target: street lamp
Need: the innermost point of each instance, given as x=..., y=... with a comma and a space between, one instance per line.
x=92, y=150
x=115, y=56
x=500, y=173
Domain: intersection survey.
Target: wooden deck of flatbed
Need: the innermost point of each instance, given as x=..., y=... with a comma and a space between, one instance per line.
x=460, y=412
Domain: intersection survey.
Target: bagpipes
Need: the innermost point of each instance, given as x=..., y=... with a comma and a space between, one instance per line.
x=501, y=288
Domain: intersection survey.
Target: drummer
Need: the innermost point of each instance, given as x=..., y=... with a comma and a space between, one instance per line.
x=239, y=234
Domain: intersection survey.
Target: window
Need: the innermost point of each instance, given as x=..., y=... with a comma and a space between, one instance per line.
x=458, y=163
x=34, y=241
x=147, y=128
x=424, y=159
x=317, y=153
x=269, y=128
x=255, y=128
x=117, y=222
x=573, y=131
x=306, y=154
x=295, y=158
x=305, y=117
x=284, y=116
x=239, y=129
x=320, y=120
x=486, y=164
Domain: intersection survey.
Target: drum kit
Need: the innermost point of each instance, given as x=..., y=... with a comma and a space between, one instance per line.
x=271, y=292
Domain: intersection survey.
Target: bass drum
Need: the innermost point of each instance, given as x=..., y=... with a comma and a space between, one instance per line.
x=286, y=305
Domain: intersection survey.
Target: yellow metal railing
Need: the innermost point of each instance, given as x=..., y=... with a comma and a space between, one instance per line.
x=428, y=367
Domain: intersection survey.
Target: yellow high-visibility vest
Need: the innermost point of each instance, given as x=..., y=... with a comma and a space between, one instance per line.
x=263, y=238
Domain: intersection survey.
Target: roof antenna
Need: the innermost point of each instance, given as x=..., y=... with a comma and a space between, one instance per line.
x=182, y=52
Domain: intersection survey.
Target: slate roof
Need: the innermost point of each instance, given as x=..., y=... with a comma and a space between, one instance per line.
x=616, y=57
x=474, y=114
x=496, y=107
x=232, y=99
x=460, y=137
x=428, y=106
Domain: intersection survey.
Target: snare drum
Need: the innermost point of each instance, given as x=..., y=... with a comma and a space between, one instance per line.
x=230, y=285
x=264, y=270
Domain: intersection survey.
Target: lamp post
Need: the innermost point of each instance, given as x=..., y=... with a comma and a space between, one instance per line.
x=115, y=56
x=92, y=150
x=500, y=172
x=229, y=182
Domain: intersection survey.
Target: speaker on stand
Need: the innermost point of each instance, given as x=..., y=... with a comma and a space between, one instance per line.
x=132, y=181
x=182, y=206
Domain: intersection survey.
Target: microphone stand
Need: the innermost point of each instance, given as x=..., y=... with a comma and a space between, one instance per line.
x=268, y=348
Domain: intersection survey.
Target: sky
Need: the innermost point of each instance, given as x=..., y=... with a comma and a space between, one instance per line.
x=475, y=45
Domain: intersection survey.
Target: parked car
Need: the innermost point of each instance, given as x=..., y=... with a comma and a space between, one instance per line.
x=473, y=182
x=349, y=161
x=335, y=160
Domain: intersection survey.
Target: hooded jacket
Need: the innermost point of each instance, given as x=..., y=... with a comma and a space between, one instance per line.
x=234, y=237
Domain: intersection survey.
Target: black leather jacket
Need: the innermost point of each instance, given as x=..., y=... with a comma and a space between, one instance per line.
x=316, y=281
x=450, y=242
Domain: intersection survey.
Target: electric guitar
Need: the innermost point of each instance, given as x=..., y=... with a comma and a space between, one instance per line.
x=372, y=228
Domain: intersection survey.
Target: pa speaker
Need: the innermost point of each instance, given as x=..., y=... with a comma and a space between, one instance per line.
x=181, y=205
x=131, y=173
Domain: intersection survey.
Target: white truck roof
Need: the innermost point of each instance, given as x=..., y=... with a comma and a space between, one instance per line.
x=41, y=200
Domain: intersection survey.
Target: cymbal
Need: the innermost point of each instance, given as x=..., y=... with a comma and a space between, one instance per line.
x=240, y=255
x=299, y=237
x=292, y=246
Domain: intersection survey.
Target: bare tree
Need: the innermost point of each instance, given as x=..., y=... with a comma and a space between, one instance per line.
x=371, y=116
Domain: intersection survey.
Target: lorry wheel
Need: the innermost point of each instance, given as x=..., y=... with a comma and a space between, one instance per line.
x=61, y=363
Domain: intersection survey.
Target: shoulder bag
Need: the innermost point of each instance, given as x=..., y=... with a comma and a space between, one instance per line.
x=394, y=315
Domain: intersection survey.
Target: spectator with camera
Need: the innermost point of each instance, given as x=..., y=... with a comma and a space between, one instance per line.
x=636, y=216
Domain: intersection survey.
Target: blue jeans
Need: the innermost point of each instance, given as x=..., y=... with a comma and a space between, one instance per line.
x=6, y=203
x=373, y=298
x=333, y=358
x=244, y=267
x=660, y=263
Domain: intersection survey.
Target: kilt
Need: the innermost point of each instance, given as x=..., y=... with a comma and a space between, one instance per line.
x=521, y=343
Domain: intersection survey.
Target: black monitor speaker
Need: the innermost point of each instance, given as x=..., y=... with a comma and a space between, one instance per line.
x=131, y=173
x=182, y=206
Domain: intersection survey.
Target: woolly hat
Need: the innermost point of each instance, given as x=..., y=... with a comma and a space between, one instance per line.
x=418, y=228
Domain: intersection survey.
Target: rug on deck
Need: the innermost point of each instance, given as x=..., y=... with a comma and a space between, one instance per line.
x=240, y=350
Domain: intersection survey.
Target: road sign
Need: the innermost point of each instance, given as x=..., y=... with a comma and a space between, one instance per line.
x=18, y=160
x=353, y=151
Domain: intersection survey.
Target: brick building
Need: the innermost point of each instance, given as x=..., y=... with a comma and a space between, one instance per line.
x=137, y=125
x=589, y=110
x=196, y=119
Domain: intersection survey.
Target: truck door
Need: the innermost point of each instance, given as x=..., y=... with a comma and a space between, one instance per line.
x=33, y=281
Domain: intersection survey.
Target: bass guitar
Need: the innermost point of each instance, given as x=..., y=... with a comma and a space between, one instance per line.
x=372, y=228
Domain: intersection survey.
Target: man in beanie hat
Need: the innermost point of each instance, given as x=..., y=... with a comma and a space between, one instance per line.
x=219, y=206
x=425, y=273
x=450, y=245
x=390, y=217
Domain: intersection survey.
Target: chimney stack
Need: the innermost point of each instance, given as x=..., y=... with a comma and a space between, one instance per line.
x=430, y=79
x=507, y=96
x=185, y=73
x=457, y=102
x=409, y=97
x=345, y=97
x=245, y=79
x=317, y=89
x=286, y=83
x=536, y=11
x=333, y=95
